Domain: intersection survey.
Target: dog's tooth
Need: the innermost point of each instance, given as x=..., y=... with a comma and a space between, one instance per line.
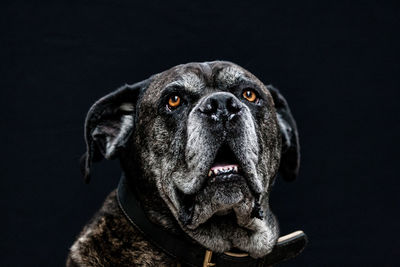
x=210, y=173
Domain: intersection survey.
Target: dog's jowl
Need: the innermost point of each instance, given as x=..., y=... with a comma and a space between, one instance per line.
x=200, y=146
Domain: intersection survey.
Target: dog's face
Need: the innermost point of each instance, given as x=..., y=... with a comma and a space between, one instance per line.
x=208, y=136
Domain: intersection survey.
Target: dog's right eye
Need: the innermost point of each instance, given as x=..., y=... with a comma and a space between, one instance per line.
x=250, y=95
x=174, y=102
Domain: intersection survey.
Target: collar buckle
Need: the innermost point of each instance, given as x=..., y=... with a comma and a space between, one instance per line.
x=207, y=259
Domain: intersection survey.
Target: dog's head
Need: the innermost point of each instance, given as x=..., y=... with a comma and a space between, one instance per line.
x=211, y=138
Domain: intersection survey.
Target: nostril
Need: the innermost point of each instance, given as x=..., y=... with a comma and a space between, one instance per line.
x=210, y=107
x=232, y=106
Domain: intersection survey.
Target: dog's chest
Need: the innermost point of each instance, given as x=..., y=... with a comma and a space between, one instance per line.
x=110, y=240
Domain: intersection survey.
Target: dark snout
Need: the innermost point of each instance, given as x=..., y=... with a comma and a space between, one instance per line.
x=220, y=107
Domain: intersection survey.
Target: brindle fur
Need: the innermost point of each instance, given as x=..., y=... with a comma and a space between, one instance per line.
x=110, y=240
x=166, y=156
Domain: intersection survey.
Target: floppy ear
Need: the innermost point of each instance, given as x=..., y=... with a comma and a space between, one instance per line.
x=109, y=124
x=290, y=157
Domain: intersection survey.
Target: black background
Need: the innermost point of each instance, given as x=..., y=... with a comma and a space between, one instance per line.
x=336, y=63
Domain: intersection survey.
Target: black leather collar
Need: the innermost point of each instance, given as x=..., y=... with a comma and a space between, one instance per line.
x=190, y=254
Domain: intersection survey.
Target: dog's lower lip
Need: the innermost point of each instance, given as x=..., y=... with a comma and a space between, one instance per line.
x=223, y=178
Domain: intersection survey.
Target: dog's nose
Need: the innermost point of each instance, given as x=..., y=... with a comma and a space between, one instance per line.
x=221, y=106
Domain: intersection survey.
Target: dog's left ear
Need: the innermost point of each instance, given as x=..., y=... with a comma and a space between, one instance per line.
x=109, y=124
x=290, y=157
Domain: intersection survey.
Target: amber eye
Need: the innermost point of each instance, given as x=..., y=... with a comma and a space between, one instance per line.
x=174, y=101
x=250, y=95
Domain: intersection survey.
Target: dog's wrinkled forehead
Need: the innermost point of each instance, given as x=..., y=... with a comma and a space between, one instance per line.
x=195, y=77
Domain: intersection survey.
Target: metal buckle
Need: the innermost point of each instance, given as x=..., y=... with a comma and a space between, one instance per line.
x=207, y=259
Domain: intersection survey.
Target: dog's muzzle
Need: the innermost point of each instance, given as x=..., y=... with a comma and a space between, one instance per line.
x=222, y=155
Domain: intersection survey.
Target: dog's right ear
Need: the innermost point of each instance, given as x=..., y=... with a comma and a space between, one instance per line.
x=109, y=124
x=290, y=158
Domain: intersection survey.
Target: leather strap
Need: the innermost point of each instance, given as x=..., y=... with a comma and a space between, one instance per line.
x=190, y=254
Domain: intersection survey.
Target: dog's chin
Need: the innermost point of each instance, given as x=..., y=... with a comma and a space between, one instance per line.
x=223, y=219
x=228, y=194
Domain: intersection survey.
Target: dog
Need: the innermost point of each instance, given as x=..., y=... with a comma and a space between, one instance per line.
x=200, y=146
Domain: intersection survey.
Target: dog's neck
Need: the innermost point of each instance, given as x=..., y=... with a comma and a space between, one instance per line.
x=153, y=205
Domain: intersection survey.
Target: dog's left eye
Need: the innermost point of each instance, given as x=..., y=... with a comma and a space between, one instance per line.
x=174, y=102
x=250, y=95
